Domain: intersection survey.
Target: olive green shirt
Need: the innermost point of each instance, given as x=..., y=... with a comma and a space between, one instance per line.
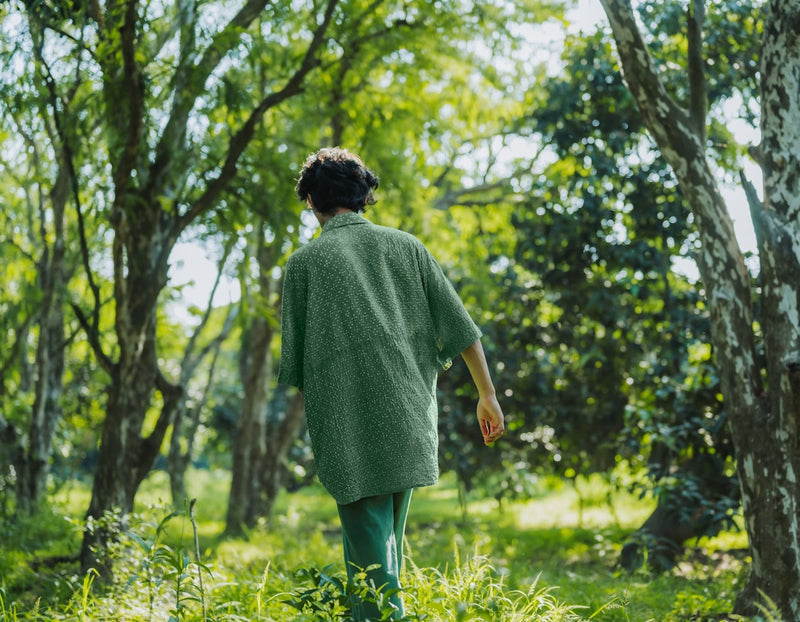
x=368, y=320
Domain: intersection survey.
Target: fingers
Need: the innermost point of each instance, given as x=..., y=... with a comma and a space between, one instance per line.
x=491, y=432
x=491, y=420
x=488, y=439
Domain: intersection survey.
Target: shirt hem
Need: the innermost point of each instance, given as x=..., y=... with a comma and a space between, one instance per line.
x=387, y=490
x=290, y=379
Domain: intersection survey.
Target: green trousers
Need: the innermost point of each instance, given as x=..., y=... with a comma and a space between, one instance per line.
x=372, y=533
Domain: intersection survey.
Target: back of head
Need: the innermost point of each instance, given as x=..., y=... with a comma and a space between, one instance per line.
x=334, y=177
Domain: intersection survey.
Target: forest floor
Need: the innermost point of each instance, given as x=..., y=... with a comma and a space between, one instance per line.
x=552, y=556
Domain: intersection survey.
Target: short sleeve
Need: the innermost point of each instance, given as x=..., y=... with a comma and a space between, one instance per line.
x=293, y=326
x=453, y=326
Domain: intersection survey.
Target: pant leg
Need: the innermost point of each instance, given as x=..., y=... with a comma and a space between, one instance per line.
x=372, y=533
x=402, y=501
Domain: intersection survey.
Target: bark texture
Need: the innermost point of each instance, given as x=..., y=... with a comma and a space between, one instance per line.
x=46, y=412
x=770, y=460
x=763, y=420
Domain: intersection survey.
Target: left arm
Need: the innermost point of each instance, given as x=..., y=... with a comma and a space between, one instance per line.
x=490, y=415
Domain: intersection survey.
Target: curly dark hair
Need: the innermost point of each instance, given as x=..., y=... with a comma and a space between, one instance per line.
x=334, y=177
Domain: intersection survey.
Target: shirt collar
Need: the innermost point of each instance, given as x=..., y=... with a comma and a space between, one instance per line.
x=342, y=220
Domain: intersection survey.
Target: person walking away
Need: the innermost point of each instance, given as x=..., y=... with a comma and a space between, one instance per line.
x=368, y=319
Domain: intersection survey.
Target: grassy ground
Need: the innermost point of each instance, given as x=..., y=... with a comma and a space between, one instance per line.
x=548, y=558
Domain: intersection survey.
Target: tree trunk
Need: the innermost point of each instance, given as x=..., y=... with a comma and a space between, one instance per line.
x=46, y=411
x=260, y=446
x=255, y=366
x=249, y=444
x=185, y=420
x=178, y=458
x=149, y=208
x=141, y=246
x=769, y=447
x=763, y=425
x=124, y=460
x=279, y=442
x=11, y=456
x=679, y=517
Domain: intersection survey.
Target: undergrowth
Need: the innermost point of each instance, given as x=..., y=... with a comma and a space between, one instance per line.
x=530, y=562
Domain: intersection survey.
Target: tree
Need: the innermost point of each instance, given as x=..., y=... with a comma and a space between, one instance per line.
x=761, y=399
x=40, y=172
x=252, y=443
x=599, y=342
x=150, y=68
x=633, y=373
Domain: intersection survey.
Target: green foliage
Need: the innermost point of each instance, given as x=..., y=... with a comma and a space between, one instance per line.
x=732, y=36
x=165, y=566
x=473, y=589
x=530, y=562
x=325, y=596
x=600, y=340
x=566, y=254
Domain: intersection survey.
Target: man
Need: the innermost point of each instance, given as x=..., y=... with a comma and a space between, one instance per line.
x=368, y=320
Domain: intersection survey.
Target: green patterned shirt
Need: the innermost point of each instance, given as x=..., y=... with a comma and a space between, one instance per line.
x=368, y=319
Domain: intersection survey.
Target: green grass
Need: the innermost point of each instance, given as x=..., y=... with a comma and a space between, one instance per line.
x=548, y=558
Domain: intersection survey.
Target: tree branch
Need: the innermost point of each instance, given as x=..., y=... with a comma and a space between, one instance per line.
x=92, y=329
x=755, y=206
x=239, y=142
x=78, y=41
x=134, y=92
x=189, y=360
x=189, y=82
x=670, y=124
x=19, y=334
x=462, y=196
x=222, y=335
x=698, y=98
x=94, y=340
x=171, y=394
x=20, y=250
x=123, y=86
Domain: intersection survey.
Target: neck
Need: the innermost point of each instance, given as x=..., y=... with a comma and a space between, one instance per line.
x=323, y=218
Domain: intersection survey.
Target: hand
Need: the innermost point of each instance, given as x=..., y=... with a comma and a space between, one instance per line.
x=490, y=418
